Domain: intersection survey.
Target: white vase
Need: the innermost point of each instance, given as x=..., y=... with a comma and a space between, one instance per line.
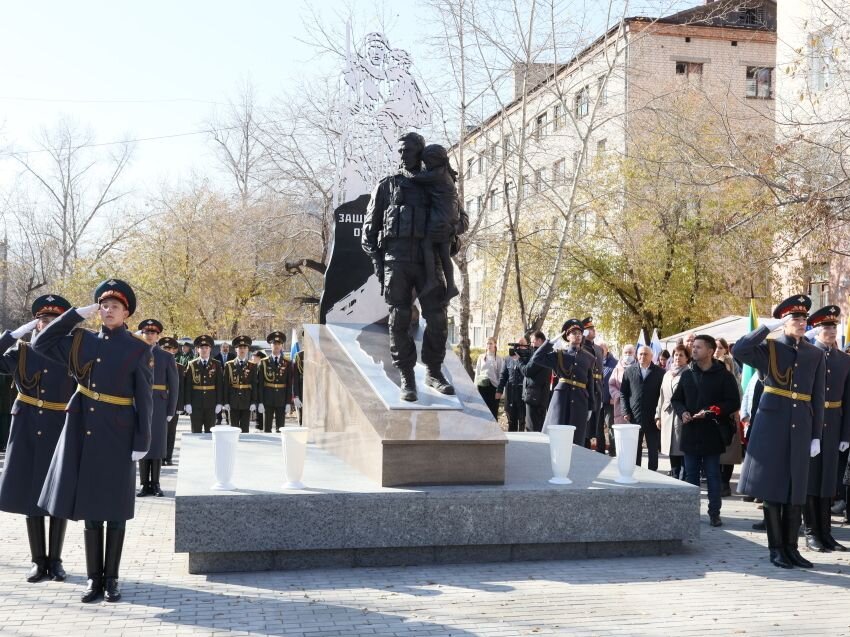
x=561, y=451
x=293, y=442
x=626, y=438
x=225, y=442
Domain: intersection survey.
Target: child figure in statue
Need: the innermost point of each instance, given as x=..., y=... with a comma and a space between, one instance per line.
x=443, y=217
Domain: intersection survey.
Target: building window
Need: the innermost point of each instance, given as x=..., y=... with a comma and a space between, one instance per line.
x=479, y=203
x=506, y=146
x=540, y=179
x=558, y=172
x=527, y=186
x=469, y=163
x=494, y=153
x=556, y=117
x=600, y=148
x=751, y=17
x=602, y=90
x=689, y=70
x=819, y=288
x=822, y=62
x=476, y=336
x=582, y=102
x=539, y=126
x=760, y=82
x=495, y=204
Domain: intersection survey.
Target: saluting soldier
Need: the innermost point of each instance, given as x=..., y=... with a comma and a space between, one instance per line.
x=575, y=392
x=790, y=416
x=596, y=427
x=274, y=384
x=166, y=391
x=203, y=392
x=171, y=346
x=107, y=428
x=835, y=435
x=44, y=388
x=240, y=385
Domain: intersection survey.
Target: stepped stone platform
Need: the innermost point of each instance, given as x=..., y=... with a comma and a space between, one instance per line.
x=343, y=517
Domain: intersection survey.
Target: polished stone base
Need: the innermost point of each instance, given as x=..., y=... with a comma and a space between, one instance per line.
x=342, y=518
x=352, y=409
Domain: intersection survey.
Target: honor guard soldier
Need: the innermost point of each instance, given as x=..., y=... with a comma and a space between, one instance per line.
x=298, y=384
x=835, y=435
x=790, y=416
x=274, y=384
x=107, y=428
x=171, y=346
x=596, y=427
x=186, y=354
x=203, y=387
x=257, y=358
x=575, y=392
x=38, y=415
x=166, y=391
x=240, y=385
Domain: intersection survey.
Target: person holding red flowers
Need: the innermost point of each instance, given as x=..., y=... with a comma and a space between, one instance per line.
x=705, y=399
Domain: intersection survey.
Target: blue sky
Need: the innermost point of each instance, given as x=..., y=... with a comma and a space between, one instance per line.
x=138, y=70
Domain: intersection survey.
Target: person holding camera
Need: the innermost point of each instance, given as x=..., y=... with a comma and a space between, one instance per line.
x=535, y=390
x=511, y=382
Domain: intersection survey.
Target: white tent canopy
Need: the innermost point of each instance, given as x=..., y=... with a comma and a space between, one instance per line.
x=729, y=327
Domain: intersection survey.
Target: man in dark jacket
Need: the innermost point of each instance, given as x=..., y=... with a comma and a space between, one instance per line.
x=639, y=393
x=535, y=391
x=607, y=419
x=510, y=385
x=705, y=399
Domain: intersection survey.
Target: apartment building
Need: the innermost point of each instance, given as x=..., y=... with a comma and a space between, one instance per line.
x=579, y=112
x=812, y=99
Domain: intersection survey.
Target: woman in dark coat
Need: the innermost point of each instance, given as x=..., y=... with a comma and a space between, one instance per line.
x=166, y=389
x=44, y=388
x=574, y=393
x=107, y=428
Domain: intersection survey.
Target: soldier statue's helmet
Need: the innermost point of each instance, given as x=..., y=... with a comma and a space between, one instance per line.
x=150, y=325
x=168, y=341
x=116, y=289
x=204, y=339
x=240, y=341
x=828, y=315
x=571, y=325
x=276, y=337
x=49, y=305
x=587, y=323
x=797, y=305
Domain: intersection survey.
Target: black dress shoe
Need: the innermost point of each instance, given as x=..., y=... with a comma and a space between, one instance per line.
x=726, y=492
x=111, y=591
x=778, y=558
x=813, y=543
x=57, y=572
x=143, y=491
x=93, y=592
x=38, y=571
x=715, y=521
x=156, y=490
x=748, y=498
x=831, y=545
x=759, y=526
x=796, y=559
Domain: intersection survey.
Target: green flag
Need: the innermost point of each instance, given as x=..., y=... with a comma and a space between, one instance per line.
x=748, y=371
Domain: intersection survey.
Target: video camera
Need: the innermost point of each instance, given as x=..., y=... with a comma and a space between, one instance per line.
x=521, y=350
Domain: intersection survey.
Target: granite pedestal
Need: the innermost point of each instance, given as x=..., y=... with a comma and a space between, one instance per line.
x=343, y=518
x=353, y=410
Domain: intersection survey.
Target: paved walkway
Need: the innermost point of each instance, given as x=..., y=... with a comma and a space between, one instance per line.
x=721, y=585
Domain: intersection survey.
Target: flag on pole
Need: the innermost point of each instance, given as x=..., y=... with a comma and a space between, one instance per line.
x=747, y=372
x=641, y=340
x=296, y=347
x=845, y=335
x=655, y=344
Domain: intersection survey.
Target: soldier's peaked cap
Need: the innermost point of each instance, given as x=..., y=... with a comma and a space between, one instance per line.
x=797, y=304
x=204, y=339
x=242, y=340
x=50, y=305
x=276, y=337
x=825, y=316
x=116, y=289
x=168, y=341
x=588, y=323
x=570, y=325
x=149, y=324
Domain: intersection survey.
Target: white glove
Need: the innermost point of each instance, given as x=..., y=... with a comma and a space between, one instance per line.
x=786, y=319
x=138, y=455
x=252, y=407
x=815, y=448
x=24, y=329
x=226, y=408
x=88, y=310
x=297, y=402
x=287, y=409
x=589, y=414
x=187, y=409
x=218, y=409
x=261, y=408
x=843, y=446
